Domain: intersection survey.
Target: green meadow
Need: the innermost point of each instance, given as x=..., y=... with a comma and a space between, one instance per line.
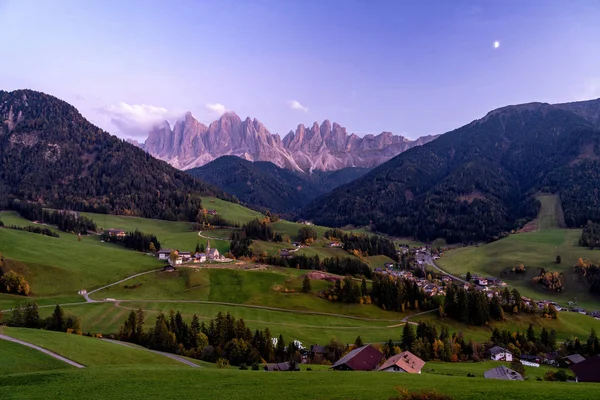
x=142, y=382
x=87, y=350
x=18, y=359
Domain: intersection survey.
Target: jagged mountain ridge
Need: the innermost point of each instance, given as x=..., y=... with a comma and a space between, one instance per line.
x=325, y=147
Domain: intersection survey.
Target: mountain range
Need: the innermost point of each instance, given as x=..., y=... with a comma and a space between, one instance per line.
x=482, y=179
x=324, y=147
x=50, y=154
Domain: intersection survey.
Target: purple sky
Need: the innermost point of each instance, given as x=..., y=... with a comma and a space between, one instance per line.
x=410, y=67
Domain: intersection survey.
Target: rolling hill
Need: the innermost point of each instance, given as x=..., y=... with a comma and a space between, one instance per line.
x=265, y=185
x=479, y=180
x=50, y=154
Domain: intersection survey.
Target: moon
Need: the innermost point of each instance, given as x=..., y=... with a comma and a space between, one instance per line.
x=496, y=44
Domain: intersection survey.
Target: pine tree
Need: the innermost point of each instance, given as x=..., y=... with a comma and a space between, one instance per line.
x=408, y=336
x=31, y=316
x=306, y=286
x=358, y=342
x=469, y=276
x=363, y=287
x=530, y=334
x=57, y=320
x=139, y=326
x=197, y=250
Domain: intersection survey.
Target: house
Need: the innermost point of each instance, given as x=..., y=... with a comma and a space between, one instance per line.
x=503, y=373
x=163, y=254
x=588, y=370
x=317, y=354
x=403, y=362
x=118, y=233
x=211, y=212
x=305, y=222
x=389, y=265
x=199, y=257
x=335, y=244
x=481, y=281
x=498, y=353
x=364, y=358
x=573, y=359
x=284, y=366
x=186, y=256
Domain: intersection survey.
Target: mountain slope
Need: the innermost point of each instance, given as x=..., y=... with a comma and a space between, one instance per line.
x=265, y=185
x=479, y=180
x=50, y=154
x=326, y=147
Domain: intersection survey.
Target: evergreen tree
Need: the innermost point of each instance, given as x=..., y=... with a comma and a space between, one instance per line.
x=280, y=349
x=31, y=316
x=306, y=286
x=358, y=342
x=57, y=320
x=408, y=336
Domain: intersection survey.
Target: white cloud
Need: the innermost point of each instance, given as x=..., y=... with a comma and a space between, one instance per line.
x=217, y=108
x=135, y=120
x=295, y=105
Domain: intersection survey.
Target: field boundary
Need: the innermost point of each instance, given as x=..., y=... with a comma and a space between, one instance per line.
x=43, y=350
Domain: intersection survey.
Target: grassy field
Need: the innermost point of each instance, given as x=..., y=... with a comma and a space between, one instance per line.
x=478, y=369
x=214, y=384
x=107, y=318
x=535, y=250
x=89, y=351
x=230, y=211
x=551, y=214
x=62, y=266
x=567, y=325
x=17, y=359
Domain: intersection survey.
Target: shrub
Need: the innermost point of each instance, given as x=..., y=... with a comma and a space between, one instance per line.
x=255, y=366
x=404, y=394
x=222, y=363
x=243, y=366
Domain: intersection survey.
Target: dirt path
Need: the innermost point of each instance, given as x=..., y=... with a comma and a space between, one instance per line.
x=211, y=238
x=171, y=356
x=38, y=348
x=87, y=295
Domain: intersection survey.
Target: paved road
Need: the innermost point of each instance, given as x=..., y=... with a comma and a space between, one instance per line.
x=429, y=260
x=171, y=356
x=87, y=295
x=38, y=348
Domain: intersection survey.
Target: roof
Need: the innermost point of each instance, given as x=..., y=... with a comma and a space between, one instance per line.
x=364, y=358
x=166, y=251
x=588, y=370
x=284, y=366
x=405, y=360
x=575, y=358
x=213, y=251
x=503, y=372
x=497, y=350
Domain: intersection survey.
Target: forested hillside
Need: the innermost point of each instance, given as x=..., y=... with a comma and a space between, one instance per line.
x=479, y=180
x=51, y=155
x=265, y=185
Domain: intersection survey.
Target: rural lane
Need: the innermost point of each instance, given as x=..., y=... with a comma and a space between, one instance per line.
x=87, y=295
x=171, y=356
x=38, y=348
x=429, y=260
x=211, y=238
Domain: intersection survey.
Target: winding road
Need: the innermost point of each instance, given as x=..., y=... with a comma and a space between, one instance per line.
x=87, y=295
x=211, y=238
x=41, y=349
x=429, y=260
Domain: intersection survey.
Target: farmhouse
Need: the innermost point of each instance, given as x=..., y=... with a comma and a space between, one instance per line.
x=498, y=353
x=211, y=212
x=503, y=373
x=335, y=244
x=199, y=257
x=163, y=254
x=588, y=370
x=317, y=354
x=403, y=362
x=118, y=233
x=364, y=358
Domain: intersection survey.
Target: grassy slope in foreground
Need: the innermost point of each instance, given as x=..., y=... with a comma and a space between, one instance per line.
x=214, y=384
x=16, y=359
x=535, y=250
x=89, y=351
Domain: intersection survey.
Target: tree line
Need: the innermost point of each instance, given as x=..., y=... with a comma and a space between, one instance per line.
x=334, y=265
x=66, y=221
x=367, y=245
x=29, y=317
x=135, y=240
x=223, y=338
x=40, y=230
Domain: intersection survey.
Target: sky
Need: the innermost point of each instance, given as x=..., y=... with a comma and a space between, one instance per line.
x=406, y=66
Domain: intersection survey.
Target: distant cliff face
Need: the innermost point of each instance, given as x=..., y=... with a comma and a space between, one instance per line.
x=327, y=147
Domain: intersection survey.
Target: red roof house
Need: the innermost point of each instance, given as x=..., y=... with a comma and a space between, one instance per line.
x=364, y=358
